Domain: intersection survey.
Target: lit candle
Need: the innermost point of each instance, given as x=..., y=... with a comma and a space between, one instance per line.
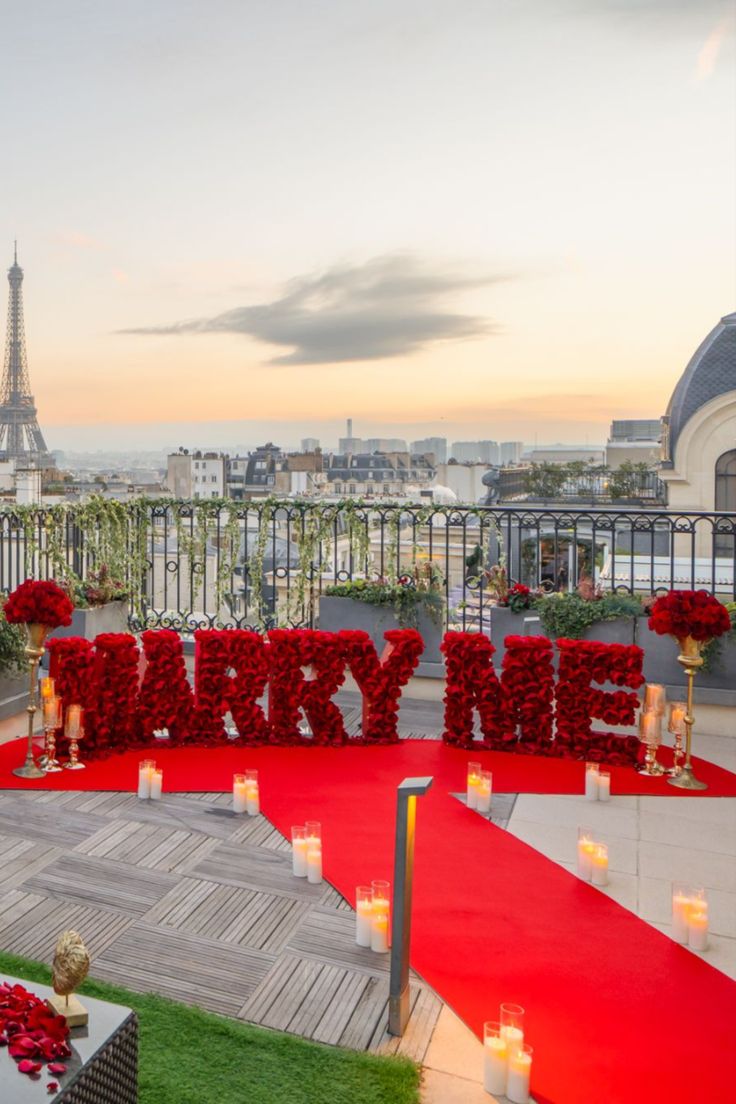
x=239, y=793
x=314, y=864
x=586, y=847
x=299, y=851
x=655, y=698
x=678, y=712
x=519, y=1076
x=650, y=727
x=591, y=781
x=51, y=707
x=697, y=926
x=145, y=768
x=157, y=782
x=252, y=793
x=484, y=791
x=47, y=688
x=473, y=779
x=495, y=1059
x=513, y=1037
x=379, y=932
x=682, y=901
x=313, y=829
x=599, y=865
x=604, y=785
x=73, y=721
x=363, y=915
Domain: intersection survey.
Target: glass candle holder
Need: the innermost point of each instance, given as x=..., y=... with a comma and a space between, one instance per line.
x=685, y=900
x=74, y=732
x=240, y=793
x=655, y=698
x=314, y=860
x=697, y=925
x=314, y=831
x=381, y=902
x=591, y=781
x=472, y=781
x=484, y=792
x=299, y=851
x=650, y=727
x=51, y=711
x=46, y=688
x=676, y=722
x=363, y=915
x=51, y=719
x=512, y=1027
x=146, y=767
x=604, y=785
x=586, y=846
x=252, y=793
x=157, y=784
x=599, y=865
x=519, y=1075
x=495, y=1059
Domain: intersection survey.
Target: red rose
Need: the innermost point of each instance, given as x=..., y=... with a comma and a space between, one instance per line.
x=39, y=602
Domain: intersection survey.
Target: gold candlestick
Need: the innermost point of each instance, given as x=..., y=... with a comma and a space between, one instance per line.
x=34, y=650
x=74, y=733
x=691, y=659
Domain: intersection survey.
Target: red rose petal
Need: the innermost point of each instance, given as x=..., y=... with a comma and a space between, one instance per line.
x=27, y=1066
x=56, y=1067
x=52, y=1087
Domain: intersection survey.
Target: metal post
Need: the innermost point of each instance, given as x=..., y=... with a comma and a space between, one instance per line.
x=406, y=810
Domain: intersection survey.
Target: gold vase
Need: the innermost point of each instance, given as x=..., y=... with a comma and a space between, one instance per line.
x=691, y=659
x=36, y=633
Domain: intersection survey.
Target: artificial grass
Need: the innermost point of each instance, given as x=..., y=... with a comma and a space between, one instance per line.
x=188, y=1056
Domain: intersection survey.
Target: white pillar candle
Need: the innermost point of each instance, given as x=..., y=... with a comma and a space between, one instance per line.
x=363, y=921
x=591, y=781
x=519, y=1076
x=586, y=846
x=513, y=1037
x=252, y=799
x=473, y=779
x=604, y=785
x=298, y=853
x=655, y=698
x=157, y=782
x=495, y=1065
x=681, y=905
x=239, y=796
x=599, y=866
x=145, y=782
x=314, y=865
x=697, y=926
x=379, y=931
x=484, y=791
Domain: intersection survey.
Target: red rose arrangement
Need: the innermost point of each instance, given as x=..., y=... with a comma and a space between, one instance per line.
x=32, y=1033
x=527, y=682
x=518, y=598
x=307, y=667
x=380, y=680
x=470, y=684
x=578, y=703
x=693, y=613
x=38, y=602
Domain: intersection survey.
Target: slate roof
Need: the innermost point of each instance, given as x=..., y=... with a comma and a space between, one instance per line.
x=711, y=372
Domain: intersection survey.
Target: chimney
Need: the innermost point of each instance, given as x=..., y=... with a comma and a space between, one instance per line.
x=350, y=428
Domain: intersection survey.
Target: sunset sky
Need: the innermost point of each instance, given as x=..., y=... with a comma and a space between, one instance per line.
x=242, y=219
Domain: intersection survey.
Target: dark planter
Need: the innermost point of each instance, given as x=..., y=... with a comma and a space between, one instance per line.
x=13, y=694
x=348, y=613
x=89, y=623
x=660, y=662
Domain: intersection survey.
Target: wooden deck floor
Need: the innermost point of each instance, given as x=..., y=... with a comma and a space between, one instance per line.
x=186, y=899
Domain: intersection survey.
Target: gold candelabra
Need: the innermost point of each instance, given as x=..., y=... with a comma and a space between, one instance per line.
x=691, y=659
x=34, y=650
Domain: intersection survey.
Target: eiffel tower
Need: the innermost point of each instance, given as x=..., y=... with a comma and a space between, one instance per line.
x=20, y=435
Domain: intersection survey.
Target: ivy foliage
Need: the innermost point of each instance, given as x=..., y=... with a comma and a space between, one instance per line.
x=569, y=615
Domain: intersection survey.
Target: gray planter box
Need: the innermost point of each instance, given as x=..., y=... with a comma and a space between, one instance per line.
x=347, y=613
x=504, y=622
x=660, y=662
x=89, y=623
x=13, y=694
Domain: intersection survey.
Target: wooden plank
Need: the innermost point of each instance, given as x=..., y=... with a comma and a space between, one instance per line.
x=103, y=883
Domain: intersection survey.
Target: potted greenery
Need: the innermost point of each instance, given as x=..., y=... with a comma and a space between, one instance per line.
x=100, y=605
x=413, y=600
x=660, y=658
x=13, y=669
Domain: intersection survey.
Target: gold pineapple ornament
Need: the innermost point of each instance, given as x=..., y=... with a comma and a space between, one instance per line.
x=68, y=971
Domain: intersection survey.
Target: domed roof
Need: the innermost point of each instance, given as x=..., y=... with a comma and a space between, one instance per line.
x=444, y=496
x=711, y=372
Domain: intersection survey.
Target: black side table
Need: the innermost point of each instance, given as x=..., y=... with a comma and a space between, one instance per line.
x=103, y=1068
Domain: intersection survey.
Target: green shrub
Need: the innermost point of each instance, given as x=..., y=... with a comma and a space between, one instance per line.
x=569, y=615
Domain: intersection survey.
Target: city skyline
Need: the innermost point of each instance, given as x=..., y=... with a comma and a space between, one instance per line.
x=431, y=230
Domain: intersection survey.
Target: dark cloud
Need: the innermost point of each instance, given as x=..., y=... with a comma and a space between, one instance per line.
x=389, y=306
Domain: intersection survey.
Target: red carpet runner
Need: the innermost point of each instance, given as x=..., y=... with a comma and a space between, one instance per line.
x=616, y=1012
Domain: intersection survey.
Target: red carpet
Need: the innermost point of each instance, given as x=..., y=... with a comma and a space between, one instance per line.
x=212, y=769
x=616, y=1012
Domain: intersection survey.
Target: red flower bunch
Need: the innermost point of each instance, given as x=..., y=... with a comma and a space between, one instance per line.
x=165, y=699
x=693, y=613
x=471, y=684
x=39, y=602
x=528, y=693
x=70, y=666
x=219, y=652
x=578, y=703
x=295, y=655
x=518, y=598
x=31, y=1031
x=380, y=680
x=111, y=720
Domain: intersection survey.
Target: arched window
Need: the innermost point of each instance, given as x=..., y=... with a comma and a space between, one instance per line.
x=726, y=498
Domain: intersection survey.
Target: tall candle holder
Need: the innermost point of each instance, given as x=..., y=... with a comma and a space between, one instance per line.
x=74, y=732
x=51, y=711
x=676, y=726
x=36, y=633
x=650, y=734
x=691, y=660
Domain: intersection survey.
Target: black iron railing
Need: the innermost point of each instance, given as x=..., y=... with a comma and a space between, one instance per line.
x=190, y=564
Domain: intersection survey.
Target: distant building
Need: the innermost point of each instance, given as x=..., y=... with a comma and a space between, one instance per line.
x=376, y=474
x=431, y=446
x=196, y=474
x=635, y=441
x=371, y=444
x=510, y=452
x=309, y=444
x=475, y=452
x=464, y=480
x=565, y=454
